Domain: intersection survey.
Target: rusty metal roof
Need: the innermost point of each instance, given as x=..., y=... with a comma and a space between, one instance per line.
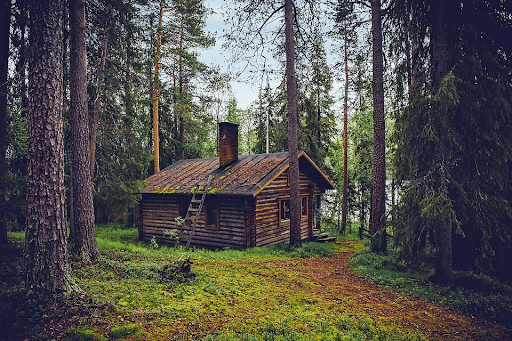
x=247, y=176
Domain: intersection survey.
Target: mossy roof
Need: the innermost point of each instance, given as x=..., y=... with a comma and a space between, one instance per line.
x=247, y=176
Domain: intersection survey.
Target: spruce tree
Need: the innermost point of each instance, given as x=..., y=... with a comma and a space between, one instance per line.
x=454, y=140
x=5, y=25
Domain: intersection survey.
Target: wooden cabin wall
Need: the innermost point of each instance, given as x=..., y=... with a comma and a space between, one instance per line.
x=268, y=228
x=159, y=210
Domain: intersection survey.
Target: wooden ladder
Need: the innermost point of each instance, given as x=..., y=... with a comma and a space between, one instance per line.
x=194, y=210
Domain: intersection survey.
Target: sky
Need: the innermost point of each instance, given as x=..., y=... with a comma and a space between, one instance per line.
x=244, y=93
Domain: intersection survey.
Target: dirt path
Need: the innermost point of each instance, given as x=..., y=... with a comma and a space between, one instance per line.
x=338, y=283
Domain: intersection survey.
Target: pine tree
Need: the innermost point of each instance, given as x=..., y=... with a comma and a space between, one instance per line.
x=83, y=237
x=156, y=85
x=120, y=61
x=378, y=226
x=47, y=268
x=291, y=95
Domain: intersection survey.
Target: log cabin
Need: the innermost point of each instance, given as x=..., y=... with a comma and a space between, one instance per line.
x=246, y=203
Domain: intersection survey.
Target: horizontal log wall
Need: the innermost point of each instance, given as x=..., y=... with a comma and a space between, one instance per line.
x=160, y=210
x=242, y=223
x=268, y=228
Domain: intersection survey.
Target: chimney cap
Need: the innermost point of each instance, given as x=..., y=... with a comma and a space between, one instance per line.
x=228, y=123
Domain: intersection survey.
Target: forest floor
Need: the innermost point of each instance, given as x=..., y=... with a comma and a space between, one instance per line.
x=241, y=295
x=339, y=284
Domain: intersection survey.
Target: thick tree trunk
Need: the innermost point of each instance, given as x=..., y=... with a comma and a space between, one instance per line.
x=156, y=140
x=344, y=210
x=378, y=227
x=5, y=21
x=83, y=243
x=291, y=92
x=47, y=269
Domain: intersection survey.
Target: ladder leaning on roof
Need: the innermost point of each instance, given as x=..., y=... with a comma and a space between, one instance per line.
x=194, y=210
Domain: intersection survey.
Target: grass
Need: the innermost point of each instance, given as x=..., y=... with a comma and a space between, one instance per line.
x=235, y=295
x=471, y=293
x=137, y=291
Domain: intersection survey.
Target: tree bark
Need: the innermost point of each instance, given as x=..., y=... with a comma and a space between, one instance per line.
x=5, y=23
x=378, y=227
x=47, y=269
x=181, y=104
x=344, y=210
x=156, y=140
x=291, y=92
x=83, y=243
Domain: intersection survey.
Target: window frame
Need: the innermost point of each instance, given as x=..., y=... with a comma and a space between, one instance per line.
x=207, y=214
x=182, y=207
x=286, y=220
x=302, y=207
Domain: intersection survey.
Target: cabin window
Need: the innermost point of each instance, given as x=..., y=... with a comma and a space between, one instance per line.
x=304, y=207
x=284, y=210
x=183, y=208
x=212, y=216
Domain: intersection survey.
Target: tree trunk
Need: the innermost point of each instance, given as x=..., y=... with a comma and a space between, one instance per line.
x=344, y=210
x=414, y=66
x=156, y=80
x=439, y=71
x=47, y=269
x=362, y=217
x=291, y=92
x=378, y=227
x=83, y=243
x=95, y=115
x=5, y=24
x=181, y=104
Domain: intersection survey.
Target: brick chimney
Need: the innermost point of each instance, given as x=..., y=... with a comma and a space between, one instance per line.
x=228, y=143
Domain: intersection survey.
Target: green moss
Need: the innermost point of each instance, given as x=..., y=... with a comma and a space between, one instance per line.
x=344, y=327
x=86, y=333
x=214, y=190
x=125, y=331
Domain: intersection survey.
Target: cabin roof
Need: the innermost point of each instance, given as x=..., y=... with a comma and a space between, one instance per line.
x=247, y=176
